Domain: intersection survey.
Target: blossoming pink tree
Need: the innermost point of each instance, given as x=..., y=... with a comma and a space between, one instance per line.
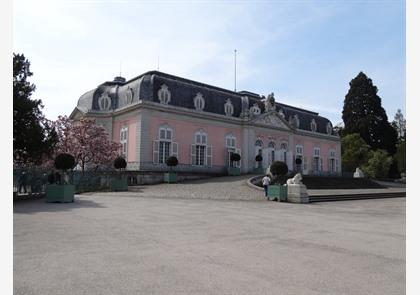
x=86, y=141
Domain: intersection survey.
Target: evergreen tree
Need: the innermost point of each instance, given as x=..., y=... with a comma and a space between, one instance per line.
x=354, y=152
x=363, y=114
x=399, y=125
x=33, y=135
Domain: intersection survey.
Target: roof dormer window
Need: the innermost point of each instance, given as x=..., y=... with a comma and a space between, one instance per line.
x=104, y=102
x=228, y=108
x=199, y=102
x=255, y=109
x=313, y=125
x=329, y=128
x=164, y=94
x=281, y=113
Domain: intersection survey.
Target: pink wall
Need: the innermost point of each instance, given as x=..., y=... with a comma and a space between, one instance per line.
x=184, y=135
x=308, y=149
x=132, y=130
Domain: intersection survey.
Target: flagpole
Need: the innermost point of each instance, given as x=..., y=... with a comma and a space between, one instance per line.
x=235, y=70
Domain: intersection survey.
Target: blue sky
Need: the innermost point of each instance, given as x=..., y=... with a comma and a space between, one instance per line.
x=306, y=52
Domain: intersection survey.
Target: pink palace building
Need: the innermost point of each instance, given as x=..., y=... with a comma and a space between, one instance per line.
x=156, y=115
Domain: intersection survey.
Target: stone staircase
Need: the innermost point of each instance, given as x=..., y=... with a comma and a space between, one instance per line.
x=343, y=196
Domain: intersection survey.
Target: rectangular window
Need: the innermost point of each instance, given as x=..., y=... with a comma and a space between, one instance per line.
x=316, y=152
x=299, y=150
x=124, y=142
x=200, y=154
x=164, y=151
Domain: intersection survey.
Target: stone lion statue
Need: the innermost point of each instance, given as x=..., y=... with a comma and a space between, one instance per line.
x=297, y=179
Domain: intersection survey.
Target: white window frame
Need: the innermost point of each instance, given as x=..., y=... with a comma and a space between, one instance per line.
x=299, y=147
x=124, y=141
x=229, y=139
x=169, y=150
x=201, y=139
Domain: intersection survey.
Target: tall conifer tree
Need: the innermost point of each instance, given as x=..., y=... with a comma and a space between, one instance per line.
x=33, y=135
x=363, y=114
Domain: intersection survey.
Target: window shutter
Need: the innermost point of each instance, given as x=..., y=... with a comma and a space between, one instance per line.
x=209, y=155
x=193, y=154
x=175, y=149
x=155, y=151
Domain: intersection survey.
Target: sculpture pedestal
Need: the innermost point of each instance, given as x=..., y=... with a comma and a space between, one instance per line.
x=358, y=173
x=296, y=193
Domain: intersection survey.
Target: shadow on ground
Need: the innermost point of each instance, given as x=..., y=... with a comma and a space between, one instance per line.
x=30, y=206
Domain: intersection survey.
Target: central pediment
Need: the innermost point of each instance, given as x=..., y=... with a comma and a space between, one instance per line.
x=271, y=119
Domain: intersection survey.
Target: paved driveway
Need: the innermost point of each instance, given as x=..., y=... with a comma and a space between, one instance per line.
x=128, y=244
x=219, y=188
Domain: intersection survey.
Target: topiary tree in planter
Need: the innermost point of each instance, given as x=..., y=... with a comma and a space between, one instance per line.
x=119, y=184
x=259, y=169
x=232, y=170
x=62, y=192
x=298, y=163
x=64, y=162
x=279, y=169
x=120, y=163
x=170, y=177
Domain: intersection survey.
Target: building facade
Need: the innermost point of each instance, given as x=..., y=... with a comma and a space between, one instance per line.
x=157, y=115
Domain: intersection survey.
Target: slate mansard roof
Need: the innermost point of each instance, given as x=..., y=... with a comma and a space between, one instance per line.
x=182, y=93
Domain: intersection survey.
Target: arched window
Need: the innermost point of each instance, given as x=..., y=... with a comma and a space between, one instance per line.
x=104, y=102
x=201, y=151
x=313, y=125
x=228, y=107
x=164, y=94
x=283, y=146
x=259, y=143
x=165, y=146
x=230, y=141
x=199, y=102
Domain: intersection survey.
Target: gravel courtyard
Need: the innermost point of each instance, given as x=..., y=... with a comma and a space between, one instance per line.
x=141, y=243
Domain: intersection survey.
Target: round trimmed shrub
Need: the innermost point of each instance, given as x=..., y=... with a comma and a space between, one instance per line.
x=172, y=161
x=235, y=157
x=279, y=169
x=120, y=163
x=258, y=158
x=298, y=161
x=64, y=162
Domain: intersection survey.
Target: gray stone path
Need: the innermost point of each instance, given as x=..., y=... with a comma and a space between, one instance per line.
x=219, y=188
x=125, y=244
